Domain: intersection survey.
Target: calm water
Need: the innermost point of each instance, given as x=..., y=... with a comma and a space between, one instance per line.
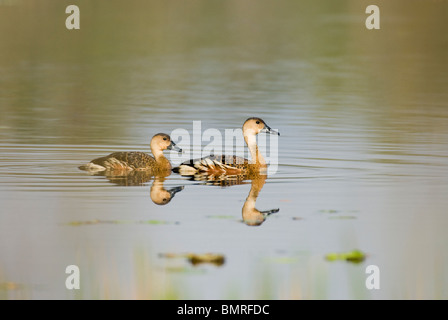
x=363, y=151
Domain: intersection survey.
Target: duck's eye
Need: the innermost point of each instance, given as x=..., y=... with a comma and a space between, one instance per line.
x=164, y=139
x=258, y=122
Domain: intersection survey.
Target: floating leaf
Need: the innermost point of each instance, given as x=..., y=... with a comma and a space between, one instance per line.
x=355, y=256
x=194, y=259
x=216, y=259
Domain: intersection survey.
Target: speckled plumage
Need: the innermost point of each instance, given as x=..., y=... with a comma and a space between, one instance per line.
x=126, y=160
x=217, y=164
x=136, y=160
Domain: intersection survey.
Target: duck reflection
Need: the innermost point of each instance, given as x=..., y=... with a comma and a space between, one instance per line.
x=251, y=215
x=219, y=180
x=159, y=195
x=126, y=177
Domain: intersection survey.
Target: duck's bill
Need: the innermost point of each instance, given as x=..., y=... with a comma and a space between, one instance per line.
x=173, y=146
x=267, y=129
x=268, y=212
x=175, y=190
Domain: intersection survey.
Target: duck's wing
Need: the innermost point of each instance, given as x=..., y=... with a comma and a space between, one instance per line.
x=217, y=164
x=125, y=160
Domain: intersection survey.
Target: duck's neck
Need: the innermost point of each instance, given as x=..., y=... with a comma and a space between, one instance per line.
x=157, y=185
x=160, y=158
x=257, y=158
x=158, y=154
x=250, y=214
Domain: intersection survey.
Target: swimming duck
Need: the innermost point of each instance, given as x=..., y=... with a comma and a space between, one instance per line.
x=232, y=165
x=136, y=160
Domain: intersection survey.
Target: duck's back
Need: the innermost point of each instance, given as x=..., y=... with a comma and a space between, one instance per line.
x=214, y=164
x=123, y=161
x=232, y=161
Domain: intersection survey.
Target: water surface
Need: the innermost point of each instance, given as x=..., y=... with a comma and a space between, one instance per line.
x=363, y=157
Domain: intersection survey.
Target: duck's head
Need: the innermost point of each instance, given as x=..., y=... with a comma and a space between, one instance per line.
x=162, y=141
x=254, y=126
x=161, y=196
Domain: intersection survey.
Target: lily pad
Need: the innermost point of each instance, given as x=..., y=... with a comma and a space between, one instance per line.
x=195, y=259
x=355, y=256
x=216, y=259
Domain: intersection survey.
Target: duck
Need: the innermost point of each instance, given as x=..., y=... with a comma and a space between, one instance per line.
x=232, y=165
x=136, y=160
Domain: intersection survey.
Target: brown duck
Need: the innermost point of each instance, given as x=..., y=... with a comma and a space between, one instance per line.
x=232, y=165
x=135, y=160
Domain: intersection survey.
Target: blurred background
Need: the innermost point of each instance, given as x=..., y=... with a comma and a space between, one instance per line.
x=363, y=151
